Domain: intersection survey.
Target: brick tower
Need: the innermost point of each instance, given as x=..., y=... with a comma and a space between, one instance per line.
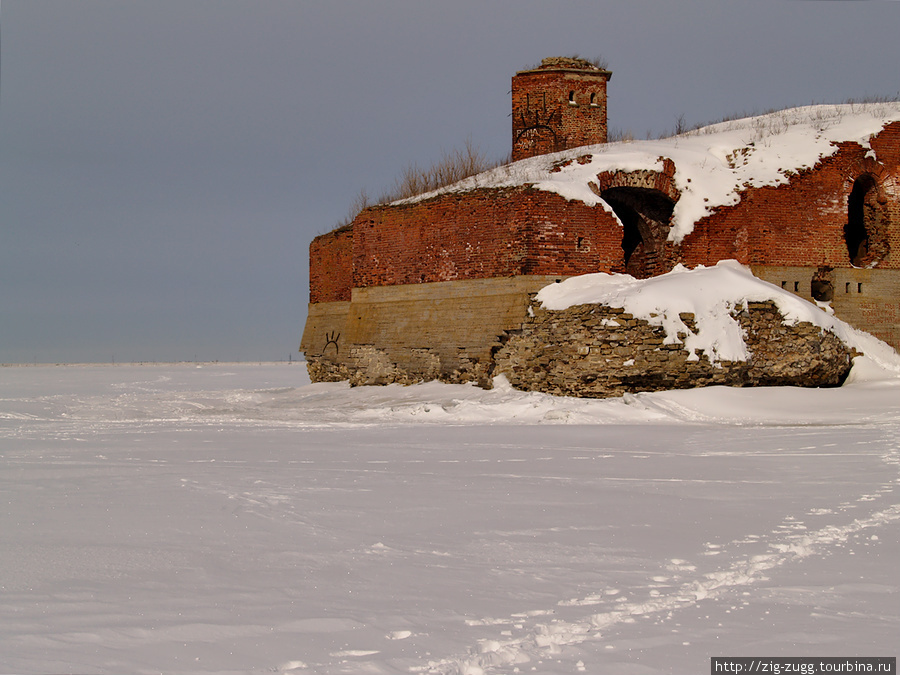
x=559, y=105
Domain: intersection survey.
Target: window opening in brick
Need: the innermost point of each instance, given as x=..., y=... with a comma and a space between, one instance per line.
x=847, y=287
x=579, y=243
x=859, y=288
x=796, y=287
x=593, y=99
x=645, y=214
x=572, y=98
x=866, y=230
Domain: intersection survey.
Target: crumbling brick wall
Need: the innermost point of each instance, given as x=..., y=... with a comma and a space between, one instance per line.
x=802, y=222
x=482, y=234
x=488, y=232
x=331, y=266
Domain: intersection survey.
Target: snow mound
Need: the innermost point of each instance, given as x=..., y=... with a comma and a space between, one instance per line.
x=710, y=294
x=712, y=164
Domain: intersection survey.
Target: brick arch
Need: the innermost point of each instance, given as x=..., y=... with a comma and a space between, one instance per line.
x=661, y=181
x=643, y=201
x=867, y=230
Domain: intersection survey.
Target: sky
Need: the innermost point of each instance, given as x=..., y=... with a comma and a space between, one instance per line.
x=164, y=164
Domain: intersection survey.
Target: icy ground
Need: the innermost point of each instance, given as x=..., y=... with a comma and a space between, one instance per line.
x=235, y=519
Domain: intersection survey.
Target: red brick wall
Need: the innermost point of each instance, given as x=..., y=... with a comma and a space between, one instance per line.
x=569, y=238
x=800, y=223
x=481, y=234
x=887, y=148
x=331, y=266
x=513, y=231
x=887, y=145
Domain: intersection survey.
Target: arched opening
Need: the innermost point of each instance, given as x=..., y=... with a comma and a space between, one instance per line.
x=572, y=100
x=866, y=230
x=645, y=214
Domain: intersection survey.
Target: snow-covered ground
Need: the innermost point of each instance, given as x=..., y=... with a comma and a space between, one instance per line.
x=235, y=519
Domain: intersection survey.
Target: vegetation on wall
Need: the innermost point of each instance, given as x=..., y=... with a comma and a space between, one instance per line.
x=452, y=167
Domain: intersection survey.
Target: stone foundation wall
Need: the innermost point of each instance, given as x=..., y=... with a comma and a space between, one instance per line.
x=597, y=352
x=470, y=331
x=865, y=298
x=416, y=332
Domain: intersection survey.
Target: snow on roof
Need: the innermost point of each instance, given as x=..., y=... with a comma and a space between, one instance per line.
x=710, y=294
x=712, y=164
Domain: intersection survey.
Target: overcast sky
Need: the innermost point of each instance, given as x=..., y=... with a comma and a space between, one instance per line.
x=164, y=164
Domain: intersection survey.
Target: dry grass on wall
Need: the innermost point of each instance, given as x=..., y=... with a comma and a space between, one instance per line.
x=452, y=167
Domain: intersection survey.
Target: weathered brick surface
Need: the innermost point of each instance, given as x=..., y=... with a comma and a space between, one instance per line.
x=487, y=233
x=482, y=234
x=800, y=223
x=331, y=266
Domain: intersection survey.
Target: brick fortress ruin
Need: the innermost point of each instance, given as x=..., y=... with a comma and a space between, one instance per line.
x=440, y=286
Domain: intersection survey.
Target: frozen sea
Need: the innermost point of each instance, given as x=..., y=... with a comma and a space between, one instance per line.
x=233, y=518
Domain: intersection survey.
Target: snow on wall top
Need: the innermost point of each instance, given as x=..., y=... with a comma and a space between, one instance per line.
x=711, y=164
x=710, y=294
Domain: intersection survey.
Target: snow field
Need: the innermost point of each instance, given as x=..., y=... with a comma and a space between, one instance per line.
x=233, y=518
